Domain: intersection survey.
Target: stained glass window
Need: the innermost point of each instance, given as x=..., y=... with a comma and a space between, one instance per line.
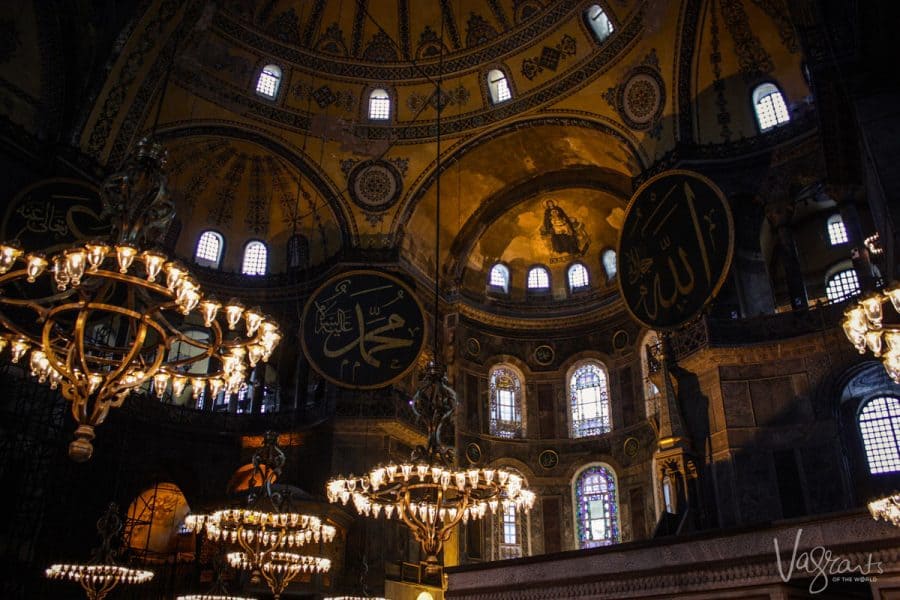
x=505, y=403
x=596, y=507
x=209, y=249
x=589, y=399
x=879, y=426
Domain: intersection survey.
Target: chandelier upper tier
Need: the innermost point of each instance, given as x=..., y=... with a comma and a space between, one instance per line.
x=104, y=318
x=873, y=323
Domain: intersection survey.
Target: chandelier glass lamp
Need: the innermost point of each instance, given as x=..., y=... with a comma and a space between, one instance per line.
x=887, y=509
x=873, y=323
x=104, y=318
x=101, y=575
x=267, y=531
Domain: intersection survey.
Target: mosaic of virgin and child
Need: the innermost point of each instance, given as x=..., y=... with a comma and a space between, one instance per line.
x=566, y=235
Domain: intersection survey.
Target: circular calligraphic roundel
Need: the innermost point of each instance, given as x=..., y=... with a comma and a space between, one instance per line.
x=375, y=184
x=675, y=248
x=363, y=329
x=53, y=214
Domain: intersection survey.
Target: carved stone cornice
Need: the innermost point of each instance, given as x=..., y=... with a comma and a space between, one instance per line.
x=546, y=322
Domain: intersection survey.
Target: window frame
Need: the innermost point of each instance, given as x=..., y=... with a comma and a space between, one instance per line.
x=894, y=426
x=538, y=290
x=496, y=289
x=497, y=426
x=835, y=274
x=244, y=258
x=836, y=219
x=603, y=255
x=756, y=96
x=570, y=416
x=302, y=241
x=489, y=83
x=278, y=81
x=212, y=264
x=579, y=289
x=615, y=524
x=389, y=102
x=589, y=23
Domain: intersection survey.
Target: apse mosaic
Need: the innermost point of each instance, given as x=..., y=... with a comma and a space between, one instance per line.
x=554, y=230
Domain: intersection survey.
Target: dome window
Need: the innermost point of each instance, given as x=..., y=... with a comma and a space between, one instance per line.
x=499, y=278
x=498, y=86
x=379, y=105
x=837, y=231
x=609, y=263
x=598, y=22
x=538, y=279
x=771, y=110
x=255, y=258
x=269, y=81
x=578, y=277
x=209, y=249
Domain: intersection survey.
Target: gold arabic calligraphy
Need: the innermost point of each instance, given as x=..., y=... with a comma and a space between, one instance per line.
x=373, y=329
x=673, y=283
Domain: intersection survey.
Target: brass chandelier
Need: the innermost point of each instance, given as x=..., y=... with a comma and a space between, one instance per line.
x=100, y=576
x=104, y=318
x=268, y=533
x=429, y=493
x=887, y=509
x=873, y=323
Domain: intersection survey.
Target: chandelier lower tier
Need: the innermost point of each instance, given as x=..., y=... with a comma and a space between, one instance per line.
x=428, y=493
x=102, y=319
x=873, y=323
x=279, y=569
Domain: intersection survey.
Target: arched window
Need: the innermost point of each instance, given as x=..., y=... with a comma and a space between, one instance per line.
x=842, y=285
x=498, y=86
x=589, y=400
x=609, y=263
x=209, y=249
x=770, y=107
x=255, y=257
x=510, y=529
x=379, y=105
x=879, y=427
x=499, y=278
x=649, y=350
x=538, y=279
x=837, y=232
x=297, y=252
x=598, y=22
x=578, y=277
x=268, y=82
x=596, y=507
x=506, y=401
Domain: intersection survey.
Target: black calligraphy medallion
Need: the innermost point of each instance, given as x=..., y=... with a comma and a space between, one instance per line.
x=53, y=214
x=363, y=329
x=675, y=249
